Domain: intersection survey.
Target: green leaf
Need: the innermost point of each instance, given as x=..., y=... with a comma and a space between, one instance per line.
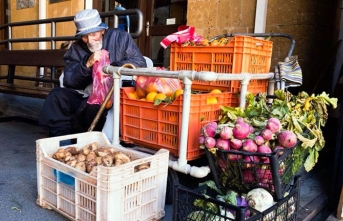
x=311, y=160
x=306, y=142
x=332, y=101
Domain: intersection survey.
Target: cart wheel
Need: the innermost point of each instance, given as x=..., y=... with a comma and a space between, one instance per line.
x=172, y=179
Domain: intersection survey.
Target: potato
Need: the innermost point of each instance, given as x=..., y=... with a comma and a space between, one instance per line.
x=107, y=161
x=72, y=150
x=81, y=166
x=81, y=158
x=91, y=156
x=120, y=158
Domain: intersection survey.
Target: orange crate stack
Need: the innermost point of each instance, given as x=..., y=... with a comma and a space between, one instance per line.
x=160, y=126
x=242, y=54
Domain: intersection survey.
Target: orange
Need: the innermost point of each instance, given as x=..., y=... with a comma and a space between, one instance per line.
x=215, y=91
x=160, y=96
x=108, y=104
x=132, y=95
x=214, y=43
x=204, y=42
x=151, y=87
x=151, y=96
x=141, y=93
x=211, y=100
x=177, y=93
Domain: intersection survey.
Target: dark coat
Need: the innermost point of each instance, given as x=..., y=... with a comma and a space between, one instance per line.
x=121, y=47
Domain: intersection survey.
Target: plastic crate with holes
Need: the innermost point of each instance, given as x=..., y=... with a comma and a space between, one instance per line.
x=202, y=204
x=241, y=171
x=108, y=193
x=159, y=126
x=243, y=54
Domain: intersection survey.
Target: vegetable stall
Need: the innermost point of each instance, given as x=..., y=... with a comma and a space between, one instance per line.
x=258, y=143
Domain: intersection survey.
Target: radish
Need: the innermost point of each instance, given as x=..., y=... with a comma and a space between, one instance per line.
x=266, y=134
x=210, y=142
x=223, y=144
x=201, y=139
x=250, y=160
x=209, y=130
x=235, y=143
x=263, y=149
x=249, y=145
x=248, y=176
x=287, y=138
x=240, y=120
x=259, y=140
x=234, y=157
x=225, y=132
x=252, y=130
x=241, y=130
x=273, y=124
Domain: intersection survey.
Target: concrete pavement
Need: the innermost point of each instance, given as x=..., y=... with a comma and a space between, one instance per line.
x=18, y=178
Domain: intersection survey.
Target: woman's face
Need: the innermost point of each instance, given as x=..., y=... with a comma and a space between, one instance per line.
x=93, y=40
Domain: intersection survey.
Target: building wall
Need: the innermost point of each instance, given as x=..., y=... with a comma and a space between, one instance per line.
x=313, y=25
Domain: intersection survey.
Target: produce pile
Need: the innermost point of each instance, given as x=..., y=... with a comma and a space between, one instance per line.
x=255, y=201
x=246, y=157
x=90, y=156
x=302, y=114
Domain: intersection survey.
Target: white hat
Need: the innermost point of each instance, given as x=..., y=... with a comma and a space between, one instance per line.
x=88, y=21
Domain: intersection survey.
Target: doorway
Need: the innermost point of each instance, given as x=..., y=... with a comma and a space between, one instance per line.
x=160, y=19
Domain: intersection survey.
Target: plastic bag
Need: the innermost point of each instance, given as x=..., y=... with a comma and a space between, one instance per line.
x=102, y=82
x=185, y=33
x=167, y=86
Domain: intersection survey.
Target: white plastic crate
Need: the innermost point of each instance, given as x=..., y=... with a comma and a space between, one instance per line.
x=109, y=193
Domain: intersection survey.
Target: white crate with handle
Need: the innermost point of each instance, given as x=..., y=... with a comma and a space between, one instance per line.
x=108, y=193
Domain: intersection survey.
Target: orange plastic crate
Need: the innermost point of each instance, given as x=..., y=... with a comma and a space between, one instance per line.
x=160, y=126
x=242, y=54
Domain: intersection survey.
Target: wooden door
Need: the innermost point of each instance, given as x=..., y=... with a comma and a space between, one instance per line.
x=156, y=13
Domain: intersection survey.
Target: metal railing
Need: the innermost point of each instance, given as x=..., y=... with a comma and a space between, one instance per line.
x=53, y=38
x=53, y=24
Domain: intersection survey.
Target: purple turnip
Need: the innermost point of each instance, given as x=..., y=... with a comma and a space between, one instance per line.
x=225, y=132
x=241, y=130
x=259, y=140
x=251, y=160
x=210, y=142
x=264, y=149
x=274, y=125
x=209, y=130
x=249, y=145
x=234, y=157
x=248, y=176
x=201, y=139
x=235, y=144
x=223, y=144
x=266, y=134
x=240, y=120
x=287, y=138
